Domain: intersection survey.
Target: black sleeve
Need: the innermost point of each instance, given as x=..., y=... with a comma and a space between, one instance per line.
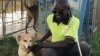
x=65, y=43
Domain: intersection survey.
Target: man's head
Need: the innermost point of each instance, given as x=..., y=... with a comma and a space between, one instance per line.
x=61, y=11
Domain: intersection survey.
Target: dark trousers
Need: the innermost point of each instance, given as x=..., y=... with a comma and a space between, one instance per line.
x=71, y=51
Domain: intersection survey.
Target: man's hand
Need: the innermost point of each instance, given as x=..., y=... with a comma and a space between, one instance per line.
x=35, y=48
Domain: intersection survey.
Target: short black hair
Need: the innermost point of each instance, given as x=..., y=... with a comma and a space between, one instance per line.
x=62, y=1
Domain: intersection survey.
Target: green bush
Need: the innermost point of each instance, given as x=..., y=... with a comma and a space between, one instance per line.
x=8, y=46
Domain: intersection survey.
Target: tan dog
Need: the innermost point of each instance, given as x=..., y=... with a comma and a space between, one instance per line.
x=25, y=41
x=32, y=12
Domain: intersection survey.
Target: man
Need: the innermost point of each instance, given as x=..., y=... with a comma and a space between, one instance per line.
x=63, y=27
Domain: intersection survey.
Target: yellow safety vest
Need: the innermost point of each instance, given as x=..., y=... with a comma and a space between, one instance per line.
x=60, y=31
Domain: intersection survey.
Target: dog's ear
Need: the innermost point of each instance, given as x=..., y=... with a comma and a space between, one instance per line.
x=18, y=38
x=34, y=36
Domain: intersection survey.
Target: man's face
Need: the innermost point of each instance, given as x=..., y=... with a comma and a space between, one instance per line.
x=59, y=13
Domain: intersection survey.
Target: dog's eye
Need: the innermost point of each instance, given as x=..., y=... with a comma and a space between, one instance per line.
x=25, y=41
x=30, y=40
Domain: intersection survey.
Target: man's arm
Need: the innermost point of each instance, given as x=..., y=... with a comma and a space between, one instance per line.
x=61, y=44
x=47, y=35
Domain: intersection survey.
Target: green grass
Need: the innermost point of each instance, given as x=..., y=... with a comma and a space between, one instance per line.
x=95, y=44
x=8, y=46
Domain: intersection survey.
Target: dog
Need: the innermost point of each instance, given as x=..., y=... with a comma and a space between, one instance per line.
x=25, y=41
x=32, y=12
